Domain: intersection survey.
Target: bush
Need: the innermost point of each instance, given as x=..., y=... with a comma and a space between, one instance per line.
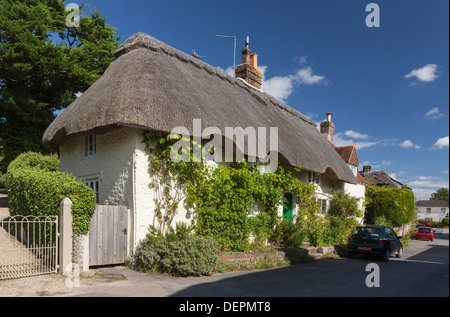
x=39, y=192
x=395, y=205
x=289, y=234
x=342, y=204
x=32, y=160
x=179, y=253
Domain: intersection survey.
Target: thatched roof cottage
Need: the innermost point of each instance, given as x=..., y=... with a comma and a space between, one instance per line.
x=154, y=87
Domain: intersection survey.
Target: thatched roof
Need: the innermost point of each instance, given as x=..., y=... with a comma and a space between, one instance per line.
x=152, y=86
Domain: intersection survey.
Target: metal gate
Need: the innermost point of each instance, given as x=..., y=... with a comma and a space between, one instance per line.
x=28, y=246
x=108, y=235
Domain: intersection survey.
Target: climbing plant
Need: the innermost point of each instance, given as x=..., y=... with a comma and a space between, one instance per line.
x=220, y=197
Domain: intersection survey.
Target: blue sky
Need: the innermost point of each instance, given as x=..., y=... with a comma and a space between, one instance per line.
x=386, y=86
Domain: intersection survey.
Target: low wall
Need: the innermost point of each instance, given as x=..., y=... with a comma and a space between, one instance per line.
x=315, y=252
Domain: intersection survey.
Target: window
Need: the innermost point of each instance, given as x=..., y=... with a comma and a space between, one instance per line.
x=353, y=168
x=443, y=211
x=90, y=145
x=93, y=184
x=314, y=177
x=323, y=207
x=428, y=210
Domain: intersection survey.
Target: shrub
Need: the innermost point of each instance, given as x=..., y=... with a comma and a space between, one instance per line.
x=179, y=253
x=396, y=205
x=37, y=192
x=38, y=161
x=342, y=204
x=289, y=234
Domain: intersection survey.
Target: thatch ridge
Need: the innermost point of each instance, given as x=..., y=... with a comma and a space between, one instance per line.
x=143, y=40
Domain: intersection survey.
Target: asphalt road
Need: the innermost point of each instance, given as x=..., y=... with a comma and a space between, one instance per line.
x=422, y=271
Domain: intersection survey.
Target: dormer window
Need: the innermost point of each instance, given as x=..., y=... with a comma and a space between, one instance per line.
x=90, y=146
x=314, y=178
x=353, y=168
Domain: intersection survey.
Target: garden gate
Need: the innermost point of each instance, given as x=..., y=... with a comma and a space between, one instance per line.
x=108, y=235
x=28, y=246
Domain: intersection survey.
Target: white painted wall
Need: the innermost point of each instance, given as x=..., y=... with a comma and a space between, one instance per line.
x=121, y=166
x=436, y=213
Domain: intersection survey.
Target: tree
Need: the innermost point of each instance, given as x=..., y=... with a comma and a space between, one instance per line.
x=440, y=194
x=43, y=65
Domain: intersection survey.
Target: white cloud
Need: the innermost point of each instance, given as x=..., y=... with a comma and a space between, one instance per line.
x=305, y=76
x=440, y=143
x=278, y=87
x=422, y=193
x=428, y=183
x=281, y=87
x=356, y=135
x=407, y=144
x=434, y=113
x=424, y=74
x=300, y=59
x=229, y=71
x=424, y=186
x=338, y=140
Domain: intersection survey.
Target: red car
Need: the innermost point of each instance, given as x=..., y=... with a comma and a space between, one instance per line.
x=425, y=233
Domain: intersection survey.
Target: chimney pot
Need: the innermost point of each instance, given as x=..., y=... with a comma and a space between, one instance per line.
x=248, y=70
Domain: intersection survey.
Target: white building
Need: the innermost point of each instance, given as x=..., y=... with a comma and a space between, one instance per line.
x=155, y=88
x=432, y=210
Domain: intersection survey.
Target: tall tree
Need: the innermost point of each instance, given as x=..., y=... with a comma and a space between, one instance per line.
x=440, y=194
x=43, y=65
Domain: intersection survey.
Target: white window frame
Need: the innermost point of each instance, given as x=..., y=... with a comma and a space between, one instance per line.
x=314, y=178
x=90, y=146
x=93, y=184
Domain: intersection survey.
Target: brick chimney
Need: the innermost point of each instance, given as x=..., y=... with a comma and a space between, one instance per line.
x=367, y=169
x=327, y=128
x=248, y=69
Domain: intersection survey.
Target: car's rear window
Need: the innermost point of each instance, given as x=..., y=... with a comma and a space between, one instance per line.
x=368, y=232
x=424, y=230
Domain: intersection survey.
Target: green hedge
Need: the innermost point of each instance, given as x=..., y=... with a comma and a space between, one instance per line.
x=35, y=188
x=33, y=160
x=395, y=205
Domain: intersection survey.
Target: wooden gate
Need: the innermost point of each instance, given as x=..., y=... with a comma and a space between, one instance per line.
x=108, y=235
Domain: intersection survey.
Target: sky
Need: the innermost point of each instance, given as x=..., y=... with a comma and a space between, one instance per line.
x=381, y=70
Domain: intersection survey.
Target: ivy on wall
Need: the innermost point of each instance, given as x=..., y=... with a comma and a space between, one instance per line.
x=219, y=197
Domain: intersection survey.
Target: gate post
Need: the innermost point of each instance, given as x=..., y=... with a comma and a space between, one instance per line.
x=65, y=236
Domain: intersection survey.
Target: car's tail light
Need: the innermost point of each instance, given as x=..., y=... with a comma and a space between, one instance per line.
x=384, y=241
x=350, y=238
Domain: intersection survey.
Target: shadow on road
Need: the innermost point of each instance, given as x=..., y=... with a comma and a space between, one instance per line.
x=4, y=202
x=337, y=278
